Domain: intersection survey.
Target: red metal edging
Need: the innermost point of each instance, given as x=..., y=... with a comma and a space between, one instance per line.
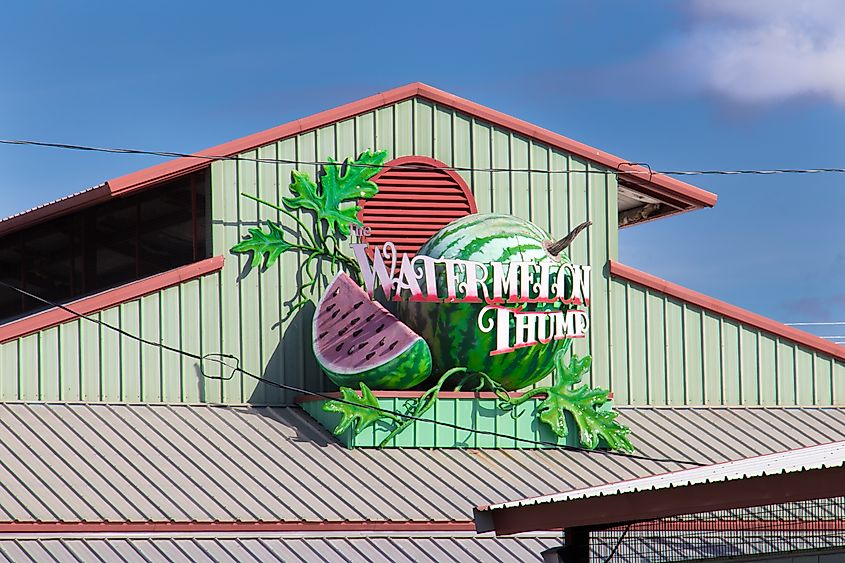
x=109, y=298
x=220, y=527
x=725, y=309
x=651, y=504
x=657, y=183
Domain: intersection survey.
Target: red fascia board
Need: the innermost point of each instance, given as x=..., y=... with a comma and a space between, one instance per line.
x=109, y=298
x=181, y=166
x=658, y=184
x=662, y=503
x=692, y=196
x=224, y=527
x=727, y=310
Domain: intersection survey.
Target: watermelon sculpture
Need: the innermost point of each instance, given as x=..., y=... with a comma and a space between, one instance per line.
x=356, y=340
x=451, y=329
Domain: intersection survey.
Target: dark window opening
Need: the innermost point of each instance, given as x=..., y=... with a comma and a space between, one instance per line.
x=105, y=246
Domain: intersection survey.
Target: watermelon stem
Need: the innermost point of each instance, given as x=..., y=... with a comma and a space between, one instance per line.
x=281, y=209
x=556, y=248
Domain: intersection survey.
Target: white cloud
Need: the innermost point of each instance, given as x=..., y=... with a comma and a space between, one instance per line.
x=757, y=51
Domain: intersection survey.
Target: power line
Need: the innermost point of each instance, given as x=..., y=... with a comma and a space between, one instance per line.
x=619, y=170
x=825, y=323
x=219, y=359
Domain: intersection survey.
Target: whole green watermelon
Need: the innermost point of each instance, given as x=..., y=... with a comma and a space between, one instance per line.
x=451, y=329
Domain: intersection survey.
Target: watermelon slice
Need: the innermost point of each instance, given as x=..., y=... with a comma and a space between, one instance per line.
x=357, y=340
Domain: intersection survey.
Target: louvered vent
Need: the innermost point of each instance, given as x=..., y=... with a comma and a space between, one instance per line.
x=416, y=198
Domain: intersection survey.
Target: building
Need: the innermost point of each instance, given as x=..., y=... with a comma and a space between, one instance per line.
x=125, y=436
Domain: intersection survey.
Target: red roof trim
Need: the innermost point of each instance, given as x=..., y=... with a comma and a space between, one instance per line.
x=657, y=183
x=128, y=292
x=219, y=527
x=720, y=307
x=695, y=197
x=651, y=504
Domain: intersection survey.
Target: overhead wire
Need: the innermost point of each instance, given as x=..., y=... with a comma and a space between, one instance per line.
x=820, y=323
x=239, y=158
x=220, y=358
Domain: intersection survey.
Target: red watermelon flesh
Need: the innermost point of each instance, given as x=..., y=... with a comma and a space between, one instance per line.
x=357, y=340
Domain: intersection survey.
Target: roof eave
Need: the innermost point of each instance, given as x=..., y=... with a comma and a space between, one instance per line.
x=682, y=196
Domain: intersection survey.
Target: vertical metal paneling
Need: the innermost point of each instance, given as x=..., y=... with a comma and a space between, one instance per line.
x=701, y=358
x=646, y=349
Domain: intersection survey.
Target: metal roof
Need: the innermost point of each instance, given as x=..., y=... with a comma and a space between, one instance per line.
x=639, y=547
x=823, y=456
x=277, y=547
x=201, y=463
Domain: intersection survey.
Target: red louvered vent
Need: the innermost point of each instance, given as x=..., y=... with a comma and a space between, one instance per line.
x=416, y=198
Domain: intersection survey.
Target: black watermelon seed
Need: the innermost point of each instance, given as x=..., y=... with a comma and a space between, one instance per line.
x=322, y=335
x=392, y=346
x=335, y=313
x=354, y=321
x=370, y=355
x=357, y=332
x=336, y=292
x=331, y=306
x=358, y=304
x=346, y=314
x=343, y=330
x=338, y=347
x=368, y=319
x=380, y=328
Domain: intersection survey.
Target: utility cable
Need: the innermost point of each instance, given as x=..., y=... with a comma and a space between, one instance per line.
x=221, y=358
x=618, y=170
x=825, y=323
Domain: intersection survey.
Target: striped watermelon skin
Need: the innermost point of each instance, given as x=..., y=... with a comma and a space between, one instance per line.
x=356, y=340
x=451, y=329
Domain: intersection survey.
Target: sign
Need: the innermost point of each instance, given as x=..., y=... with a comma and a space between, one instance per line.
x=494, y=284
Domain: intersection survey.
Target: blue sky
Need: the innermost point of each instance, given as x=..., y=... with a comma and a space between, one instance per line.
x=680, y=85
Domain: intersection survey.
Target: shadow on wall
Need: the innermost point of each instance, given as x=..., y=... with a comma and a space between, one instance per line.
x=292, y=363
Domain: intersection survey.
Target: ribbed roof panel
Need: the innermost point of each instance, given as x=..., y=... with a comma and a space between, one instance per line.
x=182, y=463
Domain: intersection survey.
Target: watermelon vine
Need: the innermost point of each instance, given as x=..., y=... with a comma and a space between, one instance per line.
x=331, y=202
x=591, y=408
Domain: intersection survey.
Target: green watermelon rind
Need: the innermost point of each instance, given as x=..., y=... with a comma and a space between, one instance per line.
x=408, y=367
x=451, y=329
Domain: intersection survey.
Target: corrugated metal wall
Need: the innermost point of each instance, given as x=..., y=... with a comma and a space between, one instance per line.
x=665, y=351
x=647, y=349
x=252, y=302
x=81, y=361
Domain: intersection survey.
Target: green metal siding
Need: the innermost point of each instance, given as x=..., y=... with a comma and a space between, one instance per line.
x=81, y=361
x=668, y=352
x=252, y=303
x=647, y=348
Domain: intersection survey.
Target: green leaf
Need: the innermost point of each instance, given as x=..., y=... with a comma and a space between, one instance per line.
x=591, y=408
x=270, y=244
x=358, y=412
x=348, y=182
x=306, y=191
